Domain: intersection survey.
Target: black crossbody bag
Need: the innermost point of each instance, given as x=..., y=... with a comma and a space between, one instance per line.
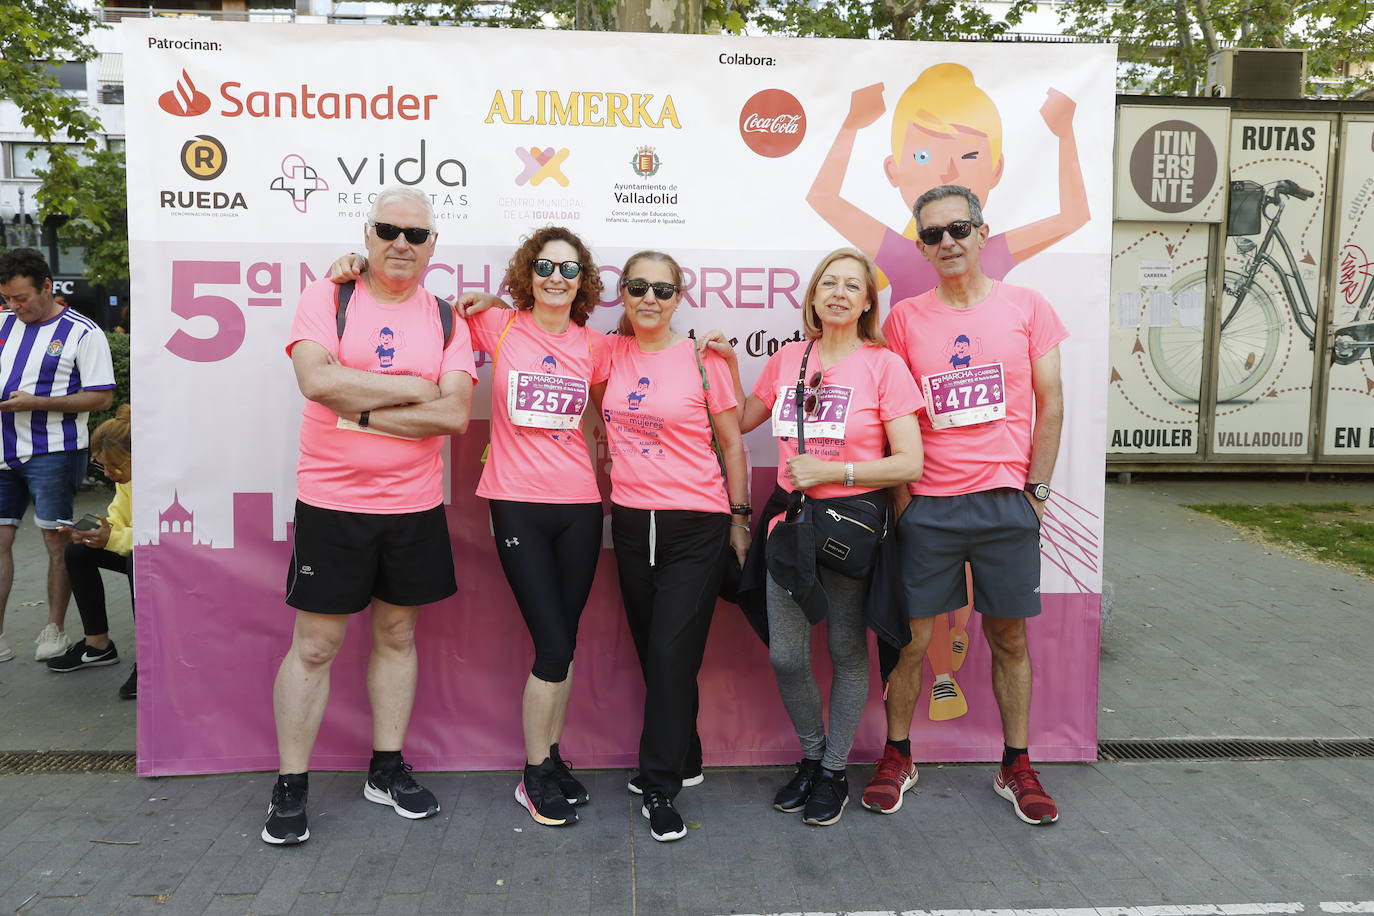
x=846, y=530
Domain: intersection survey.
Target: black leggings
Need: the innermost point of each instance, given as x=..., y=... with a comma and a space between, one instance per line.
x=549, y=553
x=83, y=568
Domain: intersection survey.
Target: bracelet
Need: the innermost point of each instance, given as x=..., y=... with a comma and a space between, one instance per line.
x=738, y=525
x=363, y=418
x=849, y=473
x=742, y=509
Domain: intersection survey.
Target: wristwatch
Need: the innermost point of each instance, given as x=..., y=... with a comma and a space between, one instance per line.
x=1040, y=491
x=742, y=509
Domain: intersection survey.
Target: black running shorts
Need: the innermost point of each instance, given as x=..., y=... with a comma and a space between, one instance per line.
x=340, y=560
x=996, y=532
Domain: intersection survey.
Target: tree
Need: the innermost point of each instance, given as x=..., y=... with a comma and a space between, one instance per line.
x=34, y=34
x=93, y=200
x=1164, y=43
x=901, y=20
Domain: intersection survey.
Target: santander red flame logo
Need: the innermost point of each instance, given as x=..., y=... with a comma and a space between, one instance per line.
x=185, y=100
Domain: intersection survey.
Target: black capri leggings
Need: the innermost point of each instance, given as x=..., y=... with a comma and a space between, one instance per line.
x=549, y=553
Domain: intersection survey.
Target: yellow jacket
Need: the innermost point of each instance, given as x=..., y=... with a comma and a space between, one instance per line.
x=121, y=516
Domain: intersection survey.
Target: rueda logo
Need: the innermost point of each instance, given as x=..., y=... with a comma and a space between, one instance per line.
x=541, y=164
x=299, y=180
x=185, y=101
x=203, y=157
x=772, y=123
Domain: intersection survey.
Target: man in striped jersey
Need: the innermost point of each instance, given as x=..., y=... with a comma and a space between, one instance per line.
x=54, y=369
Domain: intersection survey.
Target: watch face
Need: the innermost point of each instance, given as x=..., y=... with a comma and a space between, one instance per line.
x=1041, y=491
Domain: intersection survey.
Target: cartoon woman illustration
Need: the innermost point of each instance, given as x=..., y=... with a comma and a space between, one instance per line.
x=945, y=130
x=636, y=397
x=386, y=348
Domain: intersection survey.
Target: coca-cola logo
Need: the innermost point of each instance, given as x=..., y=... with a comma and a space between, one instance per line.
x=185, y=100
x=772, y=123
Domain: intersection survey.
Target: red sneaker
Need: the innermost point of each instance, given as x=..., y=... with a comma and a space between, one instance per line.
x=1020, y=785
x=893, y=777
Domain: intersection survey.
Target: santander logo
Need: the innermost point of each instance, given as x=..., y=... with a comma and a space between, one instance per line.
x=185, y=100
x=772, y=123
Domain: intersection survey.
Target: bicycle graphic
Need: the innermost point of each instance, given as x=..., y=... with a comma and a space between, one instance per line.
x=1251, y=327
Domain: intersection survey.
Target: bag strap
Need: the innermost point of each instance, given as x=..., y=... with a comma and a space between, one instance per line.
x=343, y=294
x=798, y=497
x=504, y=331
x=711, y=421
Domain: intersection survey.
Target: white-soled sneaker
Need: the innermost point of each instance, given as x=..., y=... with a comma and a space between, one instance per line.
x=6, y=653
x=52, y=642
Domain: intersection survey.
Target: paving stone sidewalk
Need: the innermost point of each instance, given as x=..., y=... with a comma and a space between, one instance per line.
x=1211, y=635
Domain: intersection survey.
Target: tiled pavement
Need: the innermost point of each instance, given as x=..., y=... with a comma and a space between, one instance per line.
x=1240, y=641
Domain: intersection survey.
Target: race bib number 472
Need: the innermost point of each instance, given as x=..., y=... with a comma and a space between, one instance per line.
x=964, y=397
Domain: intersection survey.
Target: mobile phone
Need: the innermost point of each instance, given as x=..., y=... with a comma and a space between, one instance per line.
x=88, y=522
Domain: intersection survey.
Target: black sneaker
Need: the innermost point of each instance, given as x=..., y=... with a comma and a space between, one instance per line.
x=572, y=789
x=664, y=822
x=794, y=795
x=395, y=786
x=636, y=786
x=827, y=800
x=83, y=656
x=540, y=794
x=286, y=814
x=129, y=689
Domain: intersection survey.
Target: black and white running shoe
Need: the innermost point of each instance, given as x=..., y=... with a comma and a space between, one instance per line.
x=395, y=786
x=286, y=813
x=83, y=656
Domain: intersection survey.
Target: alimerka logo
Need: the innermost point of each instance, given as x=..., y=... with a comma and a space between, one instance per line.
x=185, y=100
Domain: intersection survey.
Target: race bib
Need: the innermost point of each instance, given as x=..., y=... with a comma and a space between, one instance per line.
x=354, y=427
x=826, y=419
x=964, y=397
x=542, y=401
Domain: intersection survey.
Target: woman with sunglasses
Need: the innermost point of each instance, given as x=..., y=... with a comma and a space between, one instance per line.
x=545, y=505
x=859, y=420
x=672, y=514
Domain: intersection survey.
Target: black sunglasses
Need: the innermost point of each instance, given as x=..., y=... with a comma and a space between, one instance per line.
x=569, y=269
x=934, y=235
x=639, y=288
x=414, y=234
x=809, y=405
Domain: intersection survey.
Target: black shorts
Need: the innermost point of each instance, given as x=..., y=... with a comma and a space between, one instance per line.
x=996, y=532
x=340, y=560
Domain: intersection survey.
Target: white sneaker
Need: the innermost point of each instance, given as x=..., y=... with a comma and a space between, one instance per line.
x=52, y=642
x=6, y=653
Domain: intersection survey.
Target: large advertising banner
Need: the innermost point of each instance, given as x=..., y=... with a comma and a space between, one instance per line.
x=1158, y=317
x=1349, y=427
x=255, y=152
x=1273, y=275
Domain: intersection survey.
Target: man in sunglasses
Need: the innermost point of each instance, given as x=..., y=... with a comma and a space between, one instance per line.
x=986, y=355
x=56, y=366
x=370, y=529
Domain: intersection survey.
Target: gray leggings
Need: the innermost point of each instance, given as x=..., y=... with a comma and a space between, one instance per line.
x=789, y=649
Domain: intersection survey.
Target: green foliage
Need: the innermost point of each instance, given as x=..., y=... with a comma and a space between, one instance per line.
x=1338, y=533
x=515, y=14
x=930, y=20
x=1164, y=43
x=33, y=34
x=119, y=352
x=93, y=198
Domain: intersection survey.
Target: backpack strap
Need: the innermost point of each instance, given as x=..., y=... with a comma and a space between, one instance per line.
x=343, y=294
x=504, y=331
x=445, y=319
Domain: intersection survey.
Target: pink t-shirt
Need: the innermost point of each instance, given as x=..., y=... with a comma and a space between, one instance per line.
x=360, y=471
x=857, y=396
x=657, y=431
x=542, y=380
x=971, y=364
